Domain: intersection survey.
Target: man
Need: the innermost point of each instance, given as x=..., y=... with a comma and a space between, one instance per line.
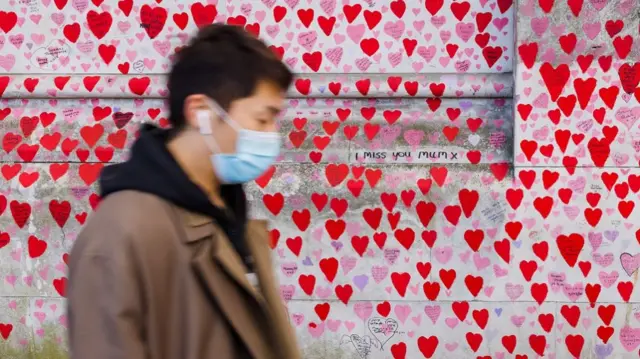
x=169, y=267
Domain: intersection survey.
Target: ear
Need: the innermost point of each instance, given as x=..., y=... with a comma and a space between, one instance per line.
x=196, y=110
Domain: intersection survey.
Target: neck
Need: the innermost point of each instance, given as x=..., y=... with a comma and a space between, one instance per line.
x=196, y=165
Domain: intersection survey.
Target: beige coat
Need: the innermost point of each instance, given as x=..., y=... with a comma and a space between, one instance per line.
x=149, y=280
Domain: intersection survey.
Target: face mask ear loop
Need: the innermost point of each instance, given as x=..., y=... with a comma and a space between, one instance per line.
x=212, y=144
x=204, y=118
x=223, y=114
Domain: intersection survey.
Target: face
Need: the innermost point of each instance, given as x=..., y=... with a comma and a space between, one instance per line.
x=257, y=112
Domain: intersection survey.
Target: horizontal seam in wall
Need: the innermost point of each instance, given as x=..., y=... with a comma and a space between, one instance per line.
x=380, y=85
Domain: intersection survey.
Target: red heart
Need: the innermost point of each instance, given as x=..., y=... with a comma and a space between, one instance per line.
x=623, y=45
x=60, y=211
x=99, y=23
x=567, y=104
x=125, y=6
x=72, y=32
x=398, y=8
x=509, y=342
x=30, y=84
x=294, y=245
x=322, y=310
x=460, y=9
x=360, y=244
x=400, y=282
x=139, y=85
x=335, y=228
x=625, y=289
x=264, y=179
x=599, y=151
x=405, y=237
x=5, y=329
x=372, y=18
x=629, y=77
x=538, y=343
x=305, y=16
x=474, y=284
x=606, y=313
x=452, y=214
x=570, y=247
x=575, y=6
x=253, y=29
x=460, y=309
x=20, y=212
x=474, y=238
x=481, y=317
x=60, y=285
x=613, y=27
x=327, y=24
x=153, y=19
x=313, y=60
x=503, y=249
x=8, y=20
x=428, y=346
x=571, y=314
x=303, y=86
x=107, y=53
x=425, y=211
x=474, y=339
x=555, y=78
x=57, y=170
x=528, y=53
x=203, y=15
x=504, y=5
x=399, y=350
x=8, y=172
x=5, y=238
x=575, y=344
x=301, y=219
x=307, y=283
x=279, y=13
x=60, y=4
x=181, y=20
x=369, y=46
x=584, y=90
x=546, y=6
x=329, y=267
x=491, y=54
x=274, y=202
x=351, y=12
x=447, y=277
x=36, y=247
x=604, y=333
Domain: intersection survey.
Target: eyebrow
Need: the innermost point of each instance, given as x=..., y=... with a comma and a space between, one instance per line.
x=274, y=110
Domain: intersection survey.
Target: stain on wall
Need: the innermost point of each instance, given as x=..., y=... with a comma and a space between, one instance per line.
x=426, y=205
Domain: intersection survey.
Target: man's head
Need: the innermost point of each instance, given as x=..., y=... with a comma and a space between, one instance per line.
x=225, y=69
x=236, y=70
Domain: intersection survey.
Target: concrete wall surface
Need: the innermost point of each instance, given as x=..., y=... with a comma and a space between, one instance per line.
x=460, y=178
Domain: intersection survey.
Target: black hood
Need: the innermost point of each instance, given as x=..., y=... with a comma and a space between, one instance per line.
x=152, y=169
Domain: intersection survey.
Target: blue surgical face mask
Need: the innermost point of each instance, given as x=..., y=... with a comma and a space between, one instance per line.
x=255, y=151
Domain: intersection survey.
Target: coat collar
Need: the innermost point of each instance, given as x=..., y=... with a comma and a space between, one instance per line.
x=223, y=285
x=200, y=227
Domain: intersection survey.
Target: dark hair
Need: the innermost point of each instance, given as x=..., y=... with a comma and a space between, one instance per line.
x=224, y=62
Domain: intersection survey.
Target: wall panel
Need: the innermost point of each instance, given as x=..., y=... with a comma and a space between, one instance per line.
x=504, y=251
x=576, y=95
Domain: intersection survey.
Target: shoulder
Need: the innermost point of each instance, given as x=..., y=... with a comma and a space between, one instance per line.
x=122, y=220
x=133, y=211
